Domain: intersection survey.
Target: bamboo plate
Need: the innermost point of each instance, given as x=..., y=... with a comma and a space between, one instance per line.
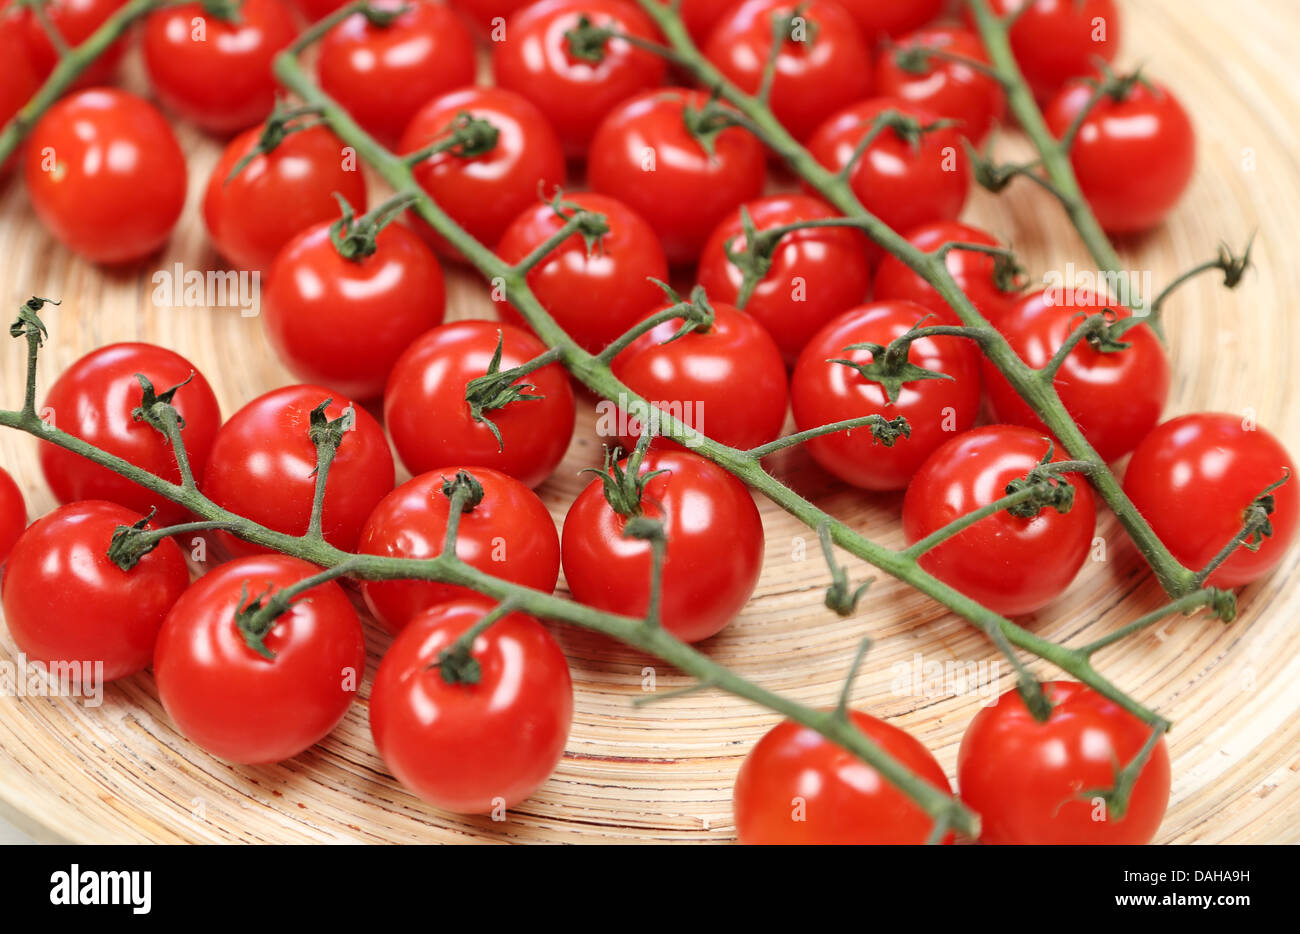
x=663, y=772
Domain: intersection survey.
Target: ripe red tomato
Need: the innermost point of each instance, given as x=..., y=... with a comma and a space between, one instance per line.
x=489, y=16
x=814, y=273
x=278, y=194
x=263, y=467
x=714, y=554
x=1116, y=398
x=823, y=64
x=727, y=383
x=644, y=155
x=880, y=18
x=535, y=60
x=484, y=193
x=1056, y=40
x=75, y=20
x=22, y=80
x=474, y=747
x=973, y=272
x=106, y=175
x=234, y=702
x=823, y=392
x=383, y=75
x=216, y=72
x=344, y=322
x=427, y=387
x=947, y=88
x=509, y=534
x=1134, y=158
x=13, y=513
x=66, y=601
x=700, y=16
x=1192, y=478
x=94, y=399
x=1037, y=783
x=314, y=10
x=796, y=787
x=1010, y=564
x=594, y=295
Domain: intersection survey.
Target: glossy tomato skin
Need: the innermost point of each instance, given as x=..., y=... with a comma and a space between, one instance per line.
x=1033, y=783
x=1116, y=398
x=263, y=465
x=1056, y=40
x=813, y=79
x=64, y=600
x=13, y=514
x=1192, y=477
x=430, y=420
x=106, y=175
x=534, y=60
x=1012, y=565
x=797, y=788
x=215, y=73
x=880, y=18
x=947, y=88
x=470, y=748
x=972, y=271
x=75, y=20
x=343, y=323
x=93, y=400
x=277, y=195
x=594, y=295
x=22, y=80
x=823, y=392
x=643, y=155
x=509, y=535
x=232, y=701
x=714, y=555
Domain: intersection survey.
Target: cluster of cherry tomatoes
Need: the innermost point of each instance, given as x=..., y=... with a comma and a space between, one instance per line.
x=678, y=188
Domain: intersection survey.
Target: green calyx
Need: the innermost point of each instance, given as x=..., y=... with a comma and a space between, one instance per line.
x=469, y=137
x=496, y=389
x=696, y=313
x=587, y=41
x=592, y=225
x=463, y=488
x=1048, y=486
x=153, y=404
x=624, y=485
x=356, y=238
x=283, y=122
x=130, y=543
x=256, y=618
x=326, y=432
x=708, y=121
x=1255, y=518
x=28, y=323
x=890, y=366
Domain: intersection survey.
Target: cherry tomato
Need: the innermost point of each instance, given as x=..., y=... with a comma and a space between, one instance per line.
x=948, y=88
x=509, y=534
x=66, y=601
x=315, y=10
x=536, y=60
x=1115, y=397
x=22, y=80
x=263, y=467
x=344, y=322
x=106, y=175
x=815, y=273
x=823, y=64
x=973, y=271
x=94, y=399
x=277, y=195
x=1056, y=40
x=383, y=75
x=489, y=16
x=472, y=746
x=700, y=16
x=75, y=20
x=1192, y=479
x=1010, y=564
x=1038, y=783
x=727, y=382
x=824, y=391
x=645, y=155
x=714, y=554
x=1133, y=157
x=597, y=294
x=234, y=702
x=797, y=787
x=13, y=513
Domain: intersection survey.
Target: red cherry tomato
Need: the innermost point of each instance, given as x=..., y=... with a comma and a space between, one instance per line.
x=489, y=16
x=727, y=383
x=314, y=10
x=22, y=80
x=823, y=65
x=232, y=701
x=1115, y=397
x=509, y=534
x=215, y=72
x=1010, y=564
x=66, y=601
x=700, y=16
x=815, y=273
x=880, y=18
x=106, y=175
x=972, y=270
x=474, y=747
x=428, y=387
x=344, y=322
x=597, y=294
x=1056, y=40
x=714, y=554
x=1038, y=783
x=535, y=60
x=1193, y=477
x=278, y=194
x=75, y=20
x=382, y=75
x=263, y=467
x=644, y=155
x=94, y=399
x=823, y=392
x=797, y=787
x=13, y=513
